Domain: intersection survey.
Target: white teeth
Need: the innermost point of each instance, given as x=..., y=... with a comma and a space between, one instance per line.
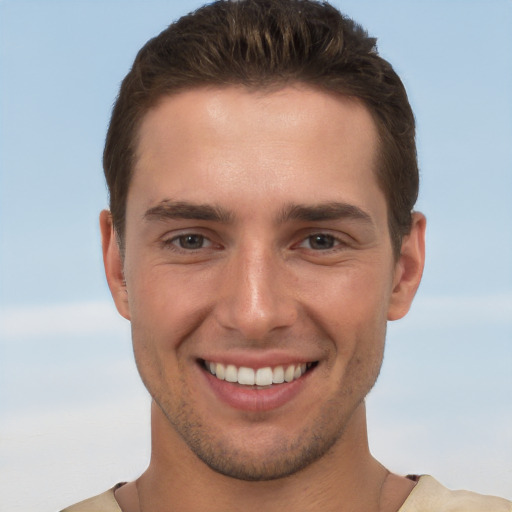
x=231, y=373
x=261, y=377
x=220, y=371
x=264, y=376
x=289, y=373
x=246, y=376
x=278, y=375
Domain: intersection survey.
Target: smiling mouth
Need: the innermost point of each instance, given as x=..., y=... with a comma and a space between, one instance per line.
x=260, y=377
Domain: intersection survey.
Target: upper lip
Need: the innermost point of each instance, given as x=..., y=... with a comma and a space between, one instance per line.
x=259, y=360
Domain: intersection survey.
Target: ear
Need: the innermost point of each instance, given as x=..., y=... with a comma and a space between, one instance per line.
x=408, y=268
x=113, y=263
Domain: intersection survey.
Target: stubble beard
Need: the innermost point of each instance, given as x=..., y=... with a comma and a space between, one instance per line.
x=278, y=456
x=274, y=456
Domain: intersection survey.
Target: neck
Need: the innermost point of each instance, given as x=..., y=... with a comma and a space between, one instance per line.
x=346, y=479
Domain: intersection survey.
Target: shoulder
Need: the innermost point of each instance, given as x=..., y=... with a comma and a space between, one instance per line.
x=105, y=502
x=430, y=496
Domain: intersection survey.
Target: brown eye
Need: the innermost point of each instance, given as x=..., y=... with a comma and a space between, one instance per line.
x=191, y=242
x=321, y=242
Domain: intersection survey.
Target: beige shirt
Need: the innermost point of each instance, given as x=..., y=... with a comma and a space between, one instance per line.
x=427, y=496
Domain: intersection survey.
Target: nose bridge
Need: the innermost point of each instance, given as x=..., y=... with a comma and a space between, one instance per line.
x=256, y=299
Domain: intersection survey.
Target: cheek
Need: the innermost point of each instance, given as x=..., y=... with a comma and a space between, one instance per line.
x=352, y=312
x=355, y=298
x=166, y=306
x=160, y=321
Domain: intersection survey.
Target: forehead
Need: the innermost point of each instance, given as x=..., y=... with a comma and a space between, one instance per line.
x=238, y=112
x=233, y=142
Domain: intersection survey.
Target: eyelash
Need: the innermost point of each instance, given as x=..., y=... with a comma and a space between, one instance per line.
x=176, y=243
x=336, y=242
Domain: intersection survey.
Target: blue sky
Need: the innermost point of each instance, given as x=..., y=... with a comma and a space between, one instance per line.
x=70, y=400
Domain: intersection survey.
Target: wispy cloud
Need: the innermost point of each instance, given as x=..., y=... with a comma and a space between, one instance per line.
x=72, y=453
x=467, y=308
x=60, y=319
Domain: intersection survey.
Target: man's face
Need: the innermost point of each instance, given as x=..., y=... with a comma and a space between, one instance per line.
x=257, y=250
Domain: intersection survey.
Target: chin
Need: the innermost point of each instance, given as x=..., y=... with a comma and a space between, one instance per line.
x=262, y=453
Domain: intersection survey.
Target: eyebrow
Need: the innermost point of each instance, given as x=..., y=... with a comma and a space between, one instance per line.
x=172, y=210
x=168, y=209
x=324, y=211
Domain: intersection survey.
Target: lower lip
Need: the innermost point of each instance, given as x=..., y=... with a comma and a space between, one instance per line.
x=250, y=399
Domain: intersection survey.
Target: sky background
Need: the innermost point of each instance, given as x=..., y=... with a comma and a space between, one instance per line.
x=74, y=419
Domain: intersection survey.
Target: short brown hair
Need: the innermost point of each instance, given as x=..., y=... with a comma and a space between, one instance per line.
x=267, y=43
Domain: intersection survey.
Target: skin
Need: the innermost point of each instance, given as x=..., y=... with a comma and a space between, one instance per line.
x=258, y=284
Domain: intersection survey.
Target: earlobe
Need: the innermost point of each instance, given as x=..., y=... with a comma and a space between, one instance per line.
x=113, y=263
x=408, y=269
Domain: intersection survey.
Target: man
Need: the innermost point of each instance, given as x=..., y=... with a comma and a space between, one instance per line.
x=262, y=173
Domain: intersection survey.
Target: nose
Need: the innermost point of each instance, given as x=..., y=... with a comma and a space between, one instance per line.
x=256, y=295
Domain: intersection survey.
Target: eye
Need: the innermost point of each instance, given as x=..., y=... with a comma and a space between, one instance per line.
x=190, y=242
x=320, y=242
